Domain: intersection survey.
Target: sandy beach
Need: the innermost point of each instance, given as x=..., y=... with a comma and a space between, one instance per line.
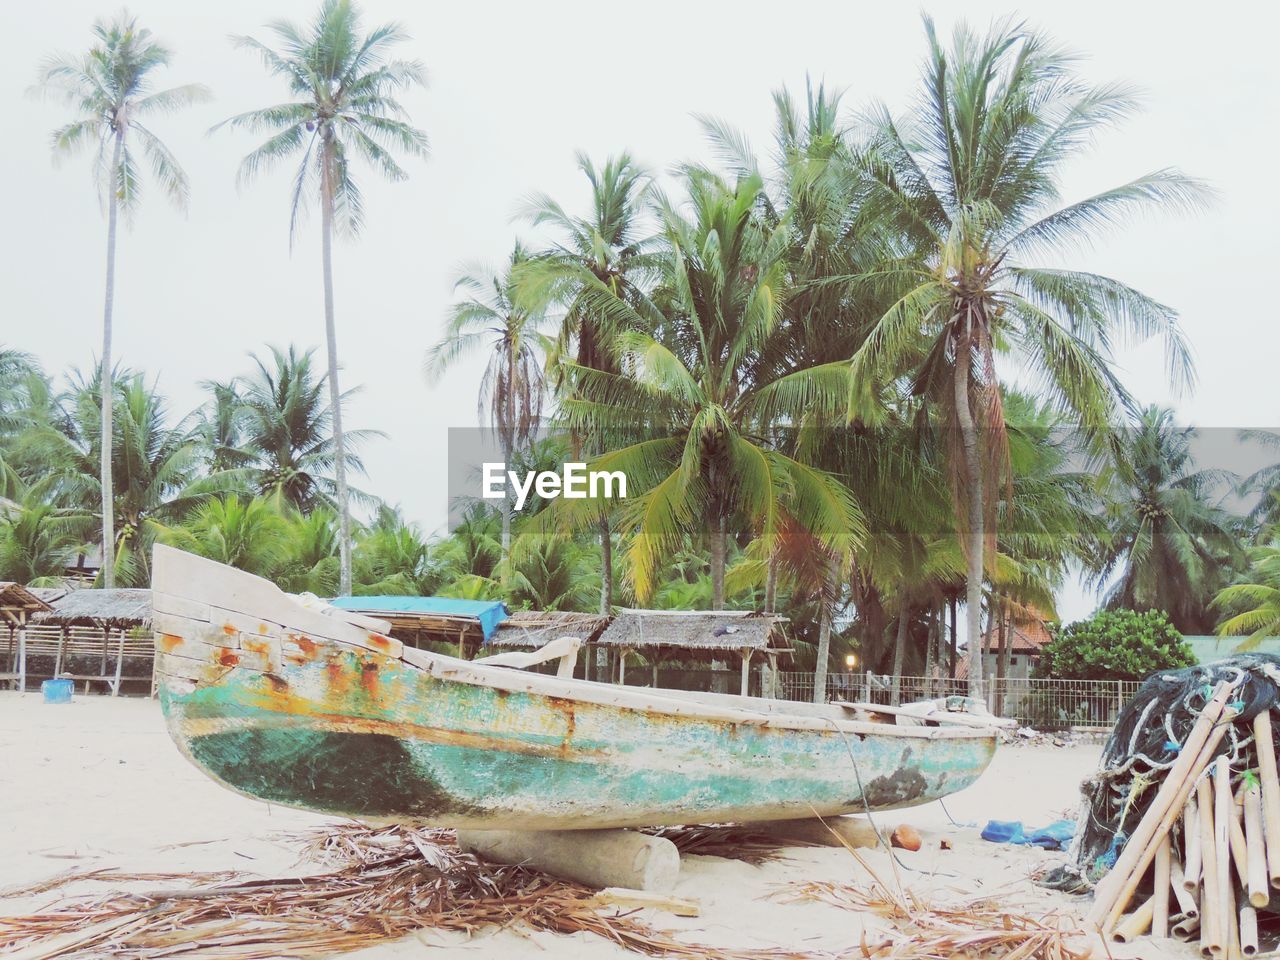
x=98, y=783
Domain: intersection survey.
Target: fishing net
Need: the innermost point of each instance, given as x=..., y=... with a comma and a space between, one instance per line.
x=1146, y=740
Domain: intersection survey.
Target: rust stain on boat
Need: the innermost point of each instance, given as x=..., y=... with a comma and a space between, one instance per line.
x=167, y=642
x=380, y=642
x=229, y=630
x=226, y=658
x=308, y=646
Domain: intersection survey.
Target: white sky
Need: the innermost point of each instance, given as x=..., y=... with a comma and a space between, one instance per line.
x=515, y=89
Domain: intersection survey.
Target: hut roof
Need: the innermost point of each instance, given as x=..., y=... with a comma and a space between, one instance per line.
x=530, y=629
x=123, y=608
x=696, y=631
x=16, y=599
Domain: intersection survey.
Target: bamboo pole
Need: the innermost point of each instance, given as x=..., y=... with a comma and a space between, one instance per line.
x=1137, y=923
x=1248, y=931
x=1110, y=896
x=1187, y=906
x=1265, y=746
x=1186, y=928
x=1210, y=926
x=1224, y=814
x=1239, y=847
x=1191, y=846
x=1160, y=893
x=1177, y=801
x=1256, y=877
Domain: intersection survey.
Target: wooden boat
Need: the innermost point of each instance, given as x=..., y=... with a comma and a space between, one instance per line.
x=320, y=709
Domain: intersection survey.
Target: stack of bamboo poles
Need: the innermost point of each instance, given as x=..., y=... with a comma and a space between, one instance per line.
x=1210, y=854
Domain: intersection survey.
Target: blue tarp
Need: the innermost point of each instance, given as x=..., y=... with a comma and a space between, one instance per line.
x=1055, y=836
x=489, y=613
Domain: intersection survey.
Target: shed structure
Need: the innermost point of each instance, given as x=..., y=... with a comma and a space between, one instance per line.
x=103, y=624
x=530, y=629
x=699, y=635
x=418, y=621
x=17, y=605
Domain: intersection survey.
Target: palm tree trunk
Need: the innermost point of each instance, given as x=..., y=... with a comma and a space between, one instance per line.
x=899, y=657
x=717, y=564
x=335, y=393
x=931, y=649
x=973, y=477
x=105, y=384
x=1006, y=651
x=771, y=585
x=606, y=567
x=826, y=601
x=955, y=645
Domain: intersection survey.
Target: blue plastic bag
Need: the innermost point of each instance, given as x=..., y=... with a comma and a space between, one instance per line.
x=1054, y=836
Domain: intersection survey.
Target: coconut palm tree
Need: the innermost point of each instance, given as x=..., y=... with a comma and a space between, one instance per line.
x=345, y=107
x=37, y=535
x=500, y=320
x=110, y=88
x=249, y=534
x=690, y=361
x=287, y=428
x=971, y=184
x=612, y=247
x=1252, y=606
x=1171, y=544
x=219, y=425
x=156, y=466
x=393, y=557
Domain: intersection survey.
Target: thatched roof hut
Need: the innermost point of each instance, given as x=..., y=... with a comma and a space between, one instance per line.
x=530, y=629
x=17, y=605
x=120, y=609
x=696, y=632
x=697, y=635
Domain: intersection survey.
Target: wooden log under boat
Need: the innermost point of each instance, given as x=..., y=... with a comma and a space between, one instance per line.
x=299, y=706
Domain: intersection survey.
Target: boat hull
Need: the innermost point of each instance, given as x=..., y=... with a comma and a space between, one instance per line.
x=355, y=731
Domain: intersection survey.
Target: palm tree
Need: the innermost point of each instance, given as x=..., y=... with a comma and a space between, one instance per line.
x=312, y=542
x=156, y=467
x=288, y=430
x=345, y=87
x=248, y=534
x=219, y=425
x=690, y=357
x=611, y=247
x=111, y=91
x=971, y=187
x=1253, y=605
x=38, y=535
x=393, y=557
x=499, y=319
x=1171, y=543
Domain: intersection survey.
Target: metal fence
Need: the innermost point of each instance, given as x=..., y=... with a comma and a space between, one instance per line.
x=1043, y=704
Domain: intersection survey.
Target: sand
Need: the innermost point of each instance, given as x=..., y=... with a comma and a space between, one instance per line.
x=98, y=783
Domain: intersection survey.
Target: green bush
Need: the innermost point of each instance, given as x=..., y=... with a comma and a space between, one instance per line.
x=1115, y=645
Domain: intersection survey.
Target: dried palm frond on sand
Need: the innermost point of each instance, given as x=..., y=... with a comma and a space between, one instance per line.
x=924, y=929
x=977, y=929
x=381, y=884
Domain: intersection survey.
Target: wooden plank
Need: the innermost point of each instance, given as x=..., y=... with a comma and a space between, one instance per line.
x=185, y=669
x=178, y=606
x=940, y=716
x=196, y=579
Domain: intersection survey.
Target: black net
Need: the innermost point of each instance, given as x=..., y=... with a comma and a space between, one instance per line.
x=1145, y=743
